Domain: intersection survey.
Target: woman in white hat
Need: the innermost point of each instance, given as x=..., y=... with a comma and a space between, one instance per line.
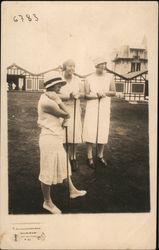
x=53, y=164
x=70, y=93
x=97, y=87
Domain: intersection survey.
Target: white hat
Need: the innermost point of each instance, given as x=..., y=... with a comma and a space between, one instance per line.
x=53, y=81
x=51, y=74
x=98, y=61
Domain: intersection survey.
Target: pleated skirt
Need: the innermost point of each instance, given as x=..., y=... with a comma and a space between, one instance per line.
x=53, y=160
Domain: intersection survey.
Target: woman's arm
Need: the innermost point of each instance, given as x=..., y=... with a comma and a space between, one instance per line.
x=64, y=97
x=63, y=107
x=110, y=94
x=52, y=108
x=112, y=89
x=53, y=96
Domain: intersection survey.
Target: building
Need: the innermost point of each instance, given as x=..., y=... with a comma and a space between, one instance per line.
x=132, y=86
x=130, y=59
x=131, y=63
x=19, y=78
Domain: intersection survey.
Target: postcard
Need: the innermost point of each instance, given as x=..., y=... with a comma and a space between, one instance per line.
x=79, y=124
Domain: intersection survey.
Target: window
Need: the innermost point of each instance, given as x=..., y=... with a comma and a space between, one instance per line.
x=137, y=88
x=132, y=67
x=135, y=67
x=119, y=87
x=138, y=66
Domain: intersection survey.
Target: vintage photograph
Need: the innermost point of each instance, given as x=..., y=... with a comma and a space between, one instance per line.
x=78, y=92
x=104, y=110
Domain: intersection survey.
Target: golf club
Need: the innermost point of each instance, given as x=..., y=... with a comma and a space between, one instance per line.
x=99, y=98
x=74, y=126
x=67, y=162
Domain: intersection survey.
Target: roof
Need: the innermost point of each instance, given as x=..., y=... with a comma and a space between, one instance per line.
x=128, y=59
x=42, y=73
x=128, y=76
x=132, y=75
x=15, y=65
x=30, y=73
x=137, y=48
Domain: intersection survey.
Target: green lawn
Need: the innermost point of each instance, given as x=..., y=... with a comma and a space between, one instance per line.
x=122, y=187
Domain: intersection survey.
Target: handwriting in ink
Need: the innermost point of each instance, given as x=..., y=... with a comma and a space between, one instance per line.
x=27, y=17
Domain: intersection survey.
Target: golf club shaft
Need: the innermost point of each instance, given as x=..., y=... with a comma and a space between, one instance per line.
x=74, y=126
x=67, y=162
x=97, y=131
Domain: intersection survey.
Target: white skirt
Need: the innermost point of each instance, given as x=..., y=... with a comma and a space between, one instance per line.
x=90, y=121
x=53, y=160
x=78, y=123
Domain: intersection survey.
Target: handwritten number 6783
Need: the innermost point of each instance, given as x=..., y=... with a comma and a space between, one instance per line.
x=26, y=17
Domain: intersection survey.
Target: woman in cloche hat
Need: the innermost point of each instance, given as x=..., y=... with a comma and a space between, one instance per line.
x=97, y=115
x=71, y=94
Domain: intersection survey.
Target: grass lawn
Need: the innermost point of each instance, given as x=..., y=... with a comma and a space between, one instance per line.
x=122, y=187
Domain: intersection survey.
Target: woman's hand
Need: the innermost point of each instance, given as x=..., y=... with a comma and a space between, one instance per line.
x=68, y=116
x=101, y=94
x=65, y=123
x=74, y=95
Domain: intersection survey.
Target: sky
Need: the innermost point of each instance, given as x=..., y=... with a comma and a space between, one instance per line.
x=78, y=30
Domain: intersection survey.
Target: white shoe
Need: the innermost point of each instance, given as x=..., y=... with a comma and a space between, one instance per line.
x=51, y=208
x=77, y=193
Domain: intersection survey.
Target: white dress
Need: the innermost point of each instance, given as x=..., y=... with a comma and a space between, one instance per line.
x=53, y=159
x=73, y=86
x=97, y=84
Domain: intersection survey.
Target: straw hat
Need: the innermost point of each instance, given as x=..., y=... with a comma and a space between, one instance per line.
x=53, y=81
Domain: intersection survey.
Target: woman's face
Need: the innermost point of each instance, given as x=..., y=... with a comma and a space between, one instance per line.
x=70, y=68
x=56, y=88
x=100, y=68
